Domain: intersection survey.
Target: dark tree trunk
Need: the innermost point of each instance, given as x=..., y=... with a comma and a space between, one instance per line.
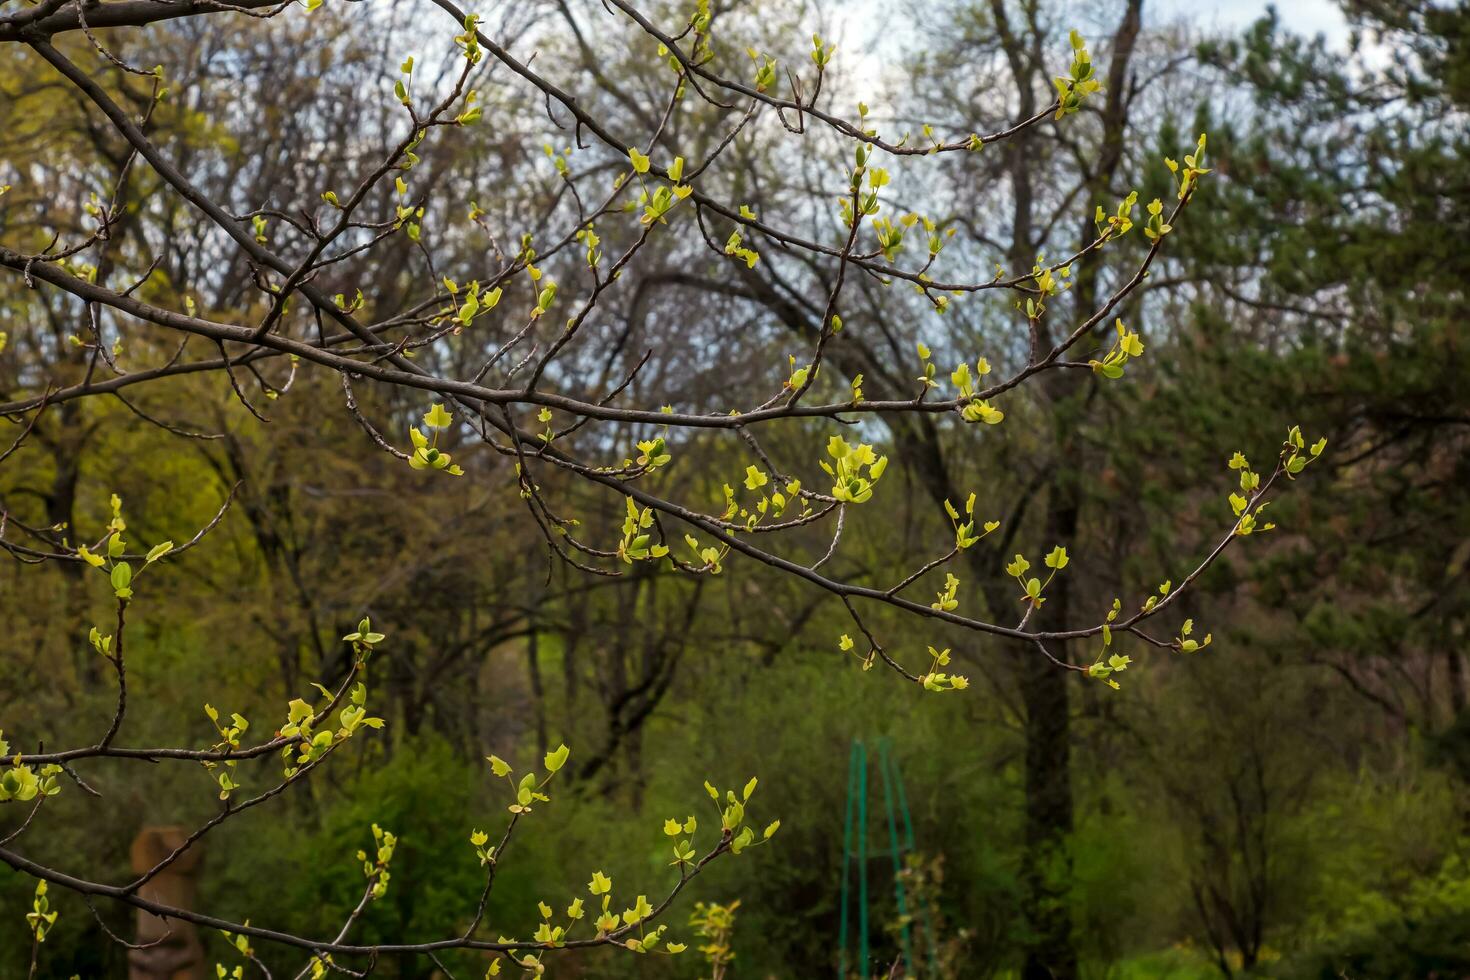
x=1047, y=702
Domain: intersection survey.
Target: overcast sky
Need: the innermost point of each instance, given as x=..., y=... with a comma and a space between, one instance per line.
x=868, y=32
x=1303, y=16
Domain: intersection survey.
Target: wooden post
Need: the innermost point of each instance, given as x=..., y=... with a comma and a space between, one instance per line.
x=171, y=949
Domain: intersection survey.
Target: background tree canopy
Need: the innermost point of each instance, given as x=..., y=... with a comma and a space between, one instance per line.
x=536, y=489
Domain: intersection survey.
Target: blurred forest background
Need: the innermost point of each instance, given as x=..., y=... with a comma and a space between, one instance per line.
x=1291, y=802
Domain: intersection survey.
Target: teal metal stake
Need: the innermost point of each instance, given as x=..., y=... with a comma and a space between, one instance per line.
x=852, y=786
x=885, y=764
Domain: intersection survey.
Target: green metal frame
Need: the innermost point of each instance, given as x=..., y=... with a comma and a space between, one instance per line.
x=855, y=851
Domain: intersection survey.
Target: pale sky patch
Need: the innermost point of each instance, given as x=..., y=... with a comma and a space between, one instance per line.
x=1307, y=17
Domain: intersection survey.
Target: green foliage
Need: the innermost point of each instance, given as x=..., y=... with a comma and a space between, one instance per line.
x=1074, y=88
x=1218, y=789
x=855, y=470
